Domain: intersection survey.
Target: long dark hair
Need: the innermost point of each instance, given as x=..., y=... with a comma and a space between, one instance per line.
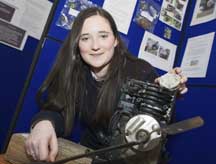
x=65, y=85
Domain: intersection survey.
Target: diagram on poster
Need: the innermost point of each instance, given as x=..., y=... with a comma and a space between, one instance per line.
x=157, y=51
x=12, y=36
x=173, y=12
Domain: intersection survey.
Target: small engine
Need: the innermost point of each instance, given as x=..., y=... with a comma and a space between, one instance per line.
x=142, y=110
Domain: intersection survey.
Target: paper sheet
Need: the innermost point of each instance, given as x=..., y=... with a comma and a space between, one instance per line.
x=122, y=12
x=8, y=5
x=196, y=56
x=35, y=17
x=173, y=12
x=30, y=15
x=157, y=51
x=204, y=11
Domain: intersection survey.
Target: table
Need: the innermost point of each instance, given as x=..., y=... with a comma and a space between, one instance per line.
x=2, y=161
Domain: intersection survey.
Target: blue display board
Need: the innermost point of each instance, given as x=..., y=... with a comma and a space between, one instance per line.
x=198, y=145
x=44, y=64
x=15, y=66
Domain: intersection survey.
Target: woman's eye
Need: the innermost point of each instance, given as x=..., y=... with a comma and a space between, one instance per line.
x=84, y=38
x=104, y=36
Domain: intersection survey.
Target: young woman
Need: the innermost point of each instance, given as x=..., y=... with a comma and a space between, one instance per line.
x=85, y=83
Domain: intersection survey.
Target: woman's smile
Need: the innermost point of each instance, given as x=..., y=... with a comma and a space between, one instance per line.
x=97, y=43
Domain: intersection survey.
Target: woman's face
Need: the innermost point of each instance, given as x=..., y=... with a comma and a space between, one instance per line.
x=97, y=43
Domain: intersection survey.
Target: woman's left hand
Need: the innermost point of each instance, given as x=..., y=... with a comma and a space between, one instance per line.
x=183, y=79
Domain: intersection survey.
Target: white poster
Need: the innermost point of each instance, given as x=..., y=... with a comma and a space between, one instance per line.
x=30, y=15
x=157, y=51
x=204, y=11
x=35, y=17
x=12, y=10
x=197, y=54
x=173, y=12
x=122, y=12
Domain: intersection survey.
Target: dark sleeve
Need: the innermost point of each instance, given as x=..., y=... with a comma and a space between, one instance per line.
x=140, y=70
x=55, y=117
x=152, y=74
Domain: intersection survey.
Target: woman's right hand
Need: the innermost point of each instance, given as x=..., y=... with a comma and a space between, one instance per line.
x=42, y=143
